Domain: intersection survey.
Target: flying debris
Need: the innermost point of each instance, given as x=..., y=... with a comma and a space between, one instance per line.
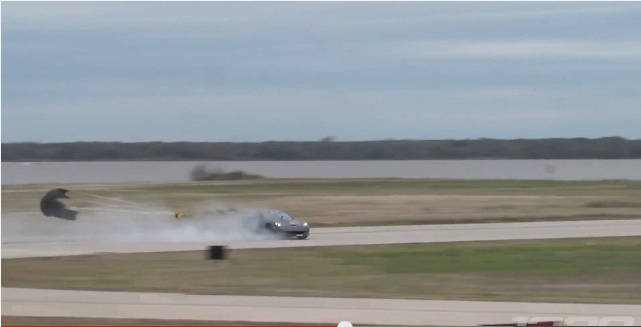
x=52, y=207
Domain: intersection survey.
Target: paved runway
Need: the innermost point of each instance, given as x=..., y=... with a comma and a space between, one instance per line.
x=356, y=236
x=51, y=303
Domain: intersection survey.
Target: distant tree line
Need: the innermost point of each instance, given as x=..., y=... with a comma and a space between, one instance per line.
x=328, y=149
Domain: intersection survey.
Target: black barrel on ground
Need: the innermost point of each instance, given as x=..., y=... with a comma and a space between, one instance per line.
x=216, y=252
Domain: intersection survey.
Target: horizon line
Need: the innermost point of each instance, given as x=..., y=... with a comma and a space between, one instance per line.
x=330, y=139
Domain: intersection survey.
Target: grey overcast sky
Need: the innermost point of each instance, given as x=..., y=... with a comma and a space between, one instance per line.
x=257, y=71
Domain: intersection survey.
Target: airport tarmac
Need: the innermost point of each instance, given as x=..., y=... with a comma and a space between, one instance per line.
x=353, y=236
x=90, y=304
x=57, y=303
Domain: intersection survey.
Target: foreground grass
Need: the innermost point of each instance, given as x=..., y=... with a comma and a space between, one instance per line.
x=71, y=321
x=604, y=270
x=338, y=202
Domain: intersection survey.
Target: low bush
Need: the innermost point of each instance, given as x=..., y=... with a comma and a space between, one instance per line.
x=201, y=173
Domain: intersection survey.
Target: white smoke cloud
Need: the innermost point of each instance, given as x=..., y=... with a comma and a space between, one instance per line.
x=149, y=222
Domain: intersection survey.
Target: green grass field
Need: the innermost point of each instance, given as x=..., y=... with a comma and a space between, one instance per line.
x=603, y=270
x=338, y=202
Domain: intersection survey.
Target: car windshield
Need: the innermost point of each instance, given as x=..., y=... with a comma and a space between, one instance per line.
x=279, y=215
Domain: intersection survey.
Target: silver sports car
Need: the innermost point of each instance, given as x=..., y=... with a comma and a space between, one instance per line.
x=278, y=221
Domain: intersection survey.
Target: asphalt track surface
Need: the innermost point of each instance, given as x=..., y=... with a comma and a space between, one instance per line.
x=51, y=303
x=354, y=236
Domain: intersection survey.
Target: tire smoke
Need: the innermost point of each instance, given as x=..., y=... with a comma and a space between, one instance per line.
x=145, y=223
